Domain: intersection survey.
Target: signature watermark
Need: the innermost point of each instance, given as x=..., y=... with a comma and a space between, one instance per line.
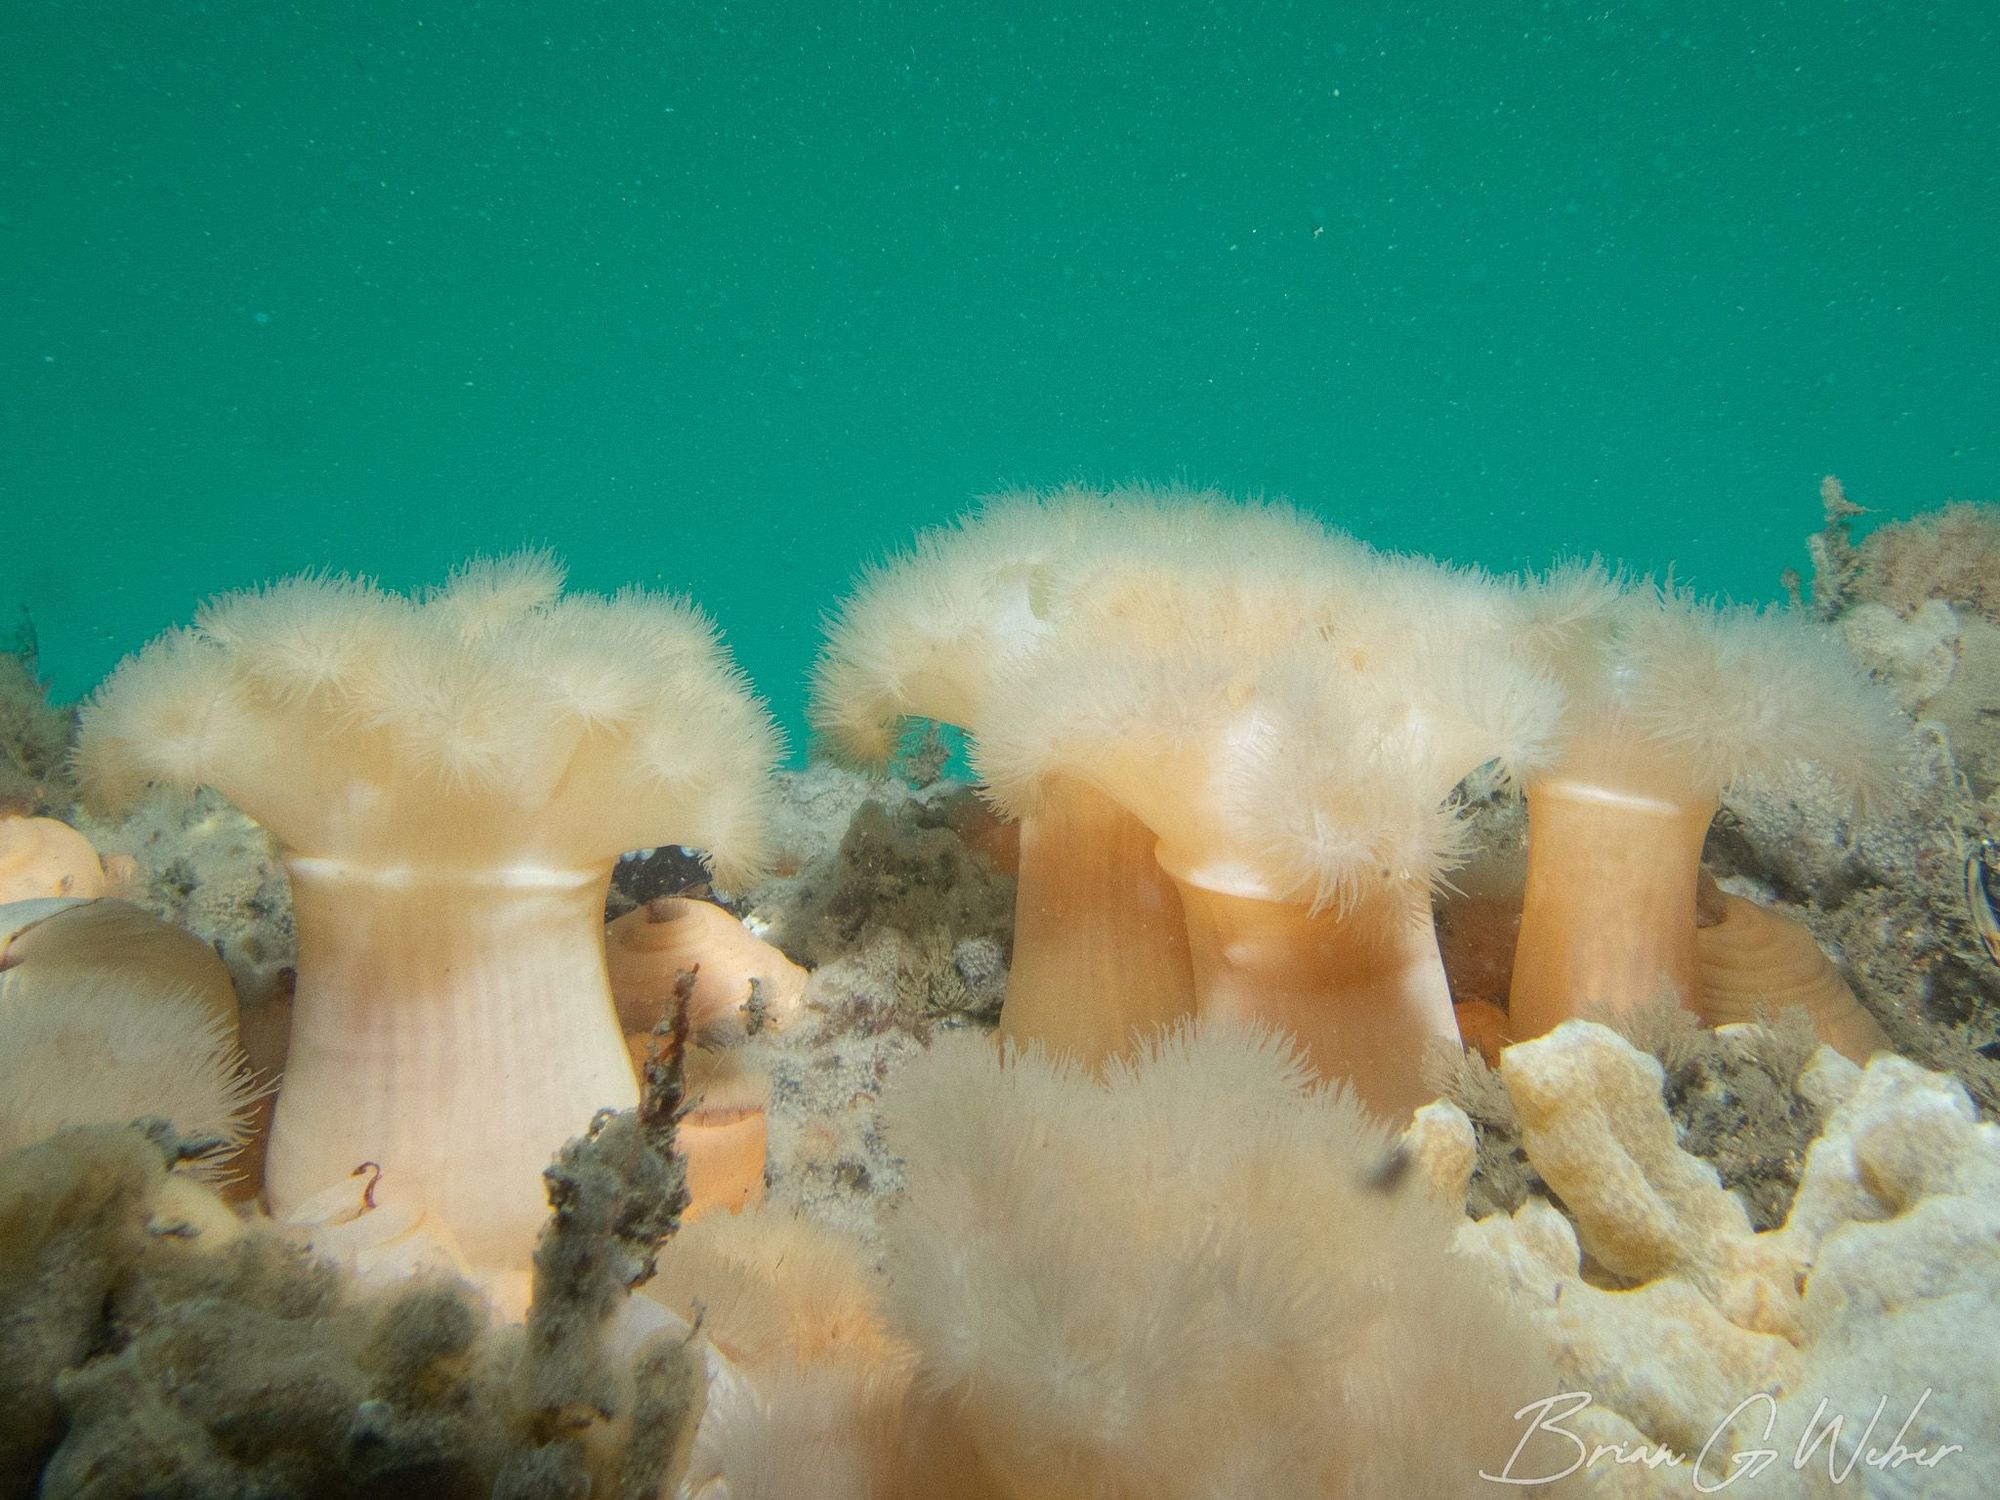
x=1720, y=1463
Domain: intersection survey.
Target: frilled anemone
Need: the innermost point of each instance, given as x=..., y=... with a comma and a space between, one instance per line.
x=1670, y=702
x=451, y=777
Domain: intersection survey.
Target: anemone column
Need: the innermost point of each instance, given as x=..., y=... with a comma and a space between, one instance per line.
x=1607, y=917
x=1364, y=994
x=1094, y=917
x=424, y=1039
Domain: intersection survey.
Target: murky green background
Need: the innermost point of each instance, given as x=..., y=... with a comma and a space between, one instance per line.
x=730, y=298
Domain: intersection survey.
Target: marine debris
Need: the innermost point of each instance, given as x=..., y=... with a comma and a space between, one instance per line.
x=160, y=1346
x=34, y=734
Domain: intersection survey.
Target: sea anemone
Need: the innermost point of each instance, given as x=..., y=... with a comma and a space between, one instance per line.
x=1288, y=714
x=451, y=778
x=928, y=634
x=811, y=1399
x=1756, y=961
x=1113, y=1297
x=1230, y=737
x=741, y=983
x=1671, y=702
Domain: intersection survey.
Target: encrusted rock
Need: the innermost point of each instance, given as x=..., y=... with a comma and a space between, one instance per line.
x=1876, y=1294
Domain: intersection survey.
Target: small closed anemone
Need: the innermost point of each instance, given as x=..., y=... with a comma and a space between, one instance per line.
x=109, y=1015
x=1756, y=962
x=42, y=857
x=1671, y=702
x=928, y=634
x=741, y=983
x=1289, y=720
x=451, y=777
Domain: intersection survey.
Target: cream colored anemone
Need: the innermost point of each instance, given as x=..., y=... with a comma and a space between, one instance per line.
x=929, y=633
x=1291, y=726
x=452, y=777
x=924, y=631
x=1671, y=701
x=1186, y=1281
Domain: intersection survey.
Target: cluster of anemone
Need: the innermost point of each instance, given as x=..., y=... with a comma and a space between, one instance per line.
x=1232, y=741
x=1235, y=743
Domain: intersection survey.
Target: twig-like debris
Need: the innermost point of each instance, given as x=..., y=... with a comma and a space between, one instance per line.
x=663, y=1080
x=617, y=1192
x=1836, y=560
x=756, y=1010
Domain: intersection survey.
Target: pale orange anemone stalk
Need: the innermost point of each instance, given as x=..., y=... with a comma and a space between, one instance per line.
x=1671, y=701
x=1290, y=723
x=452, y=778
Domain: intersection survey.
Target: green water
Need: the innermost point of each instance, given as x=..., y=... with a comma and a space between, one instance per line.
x=730, y=298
